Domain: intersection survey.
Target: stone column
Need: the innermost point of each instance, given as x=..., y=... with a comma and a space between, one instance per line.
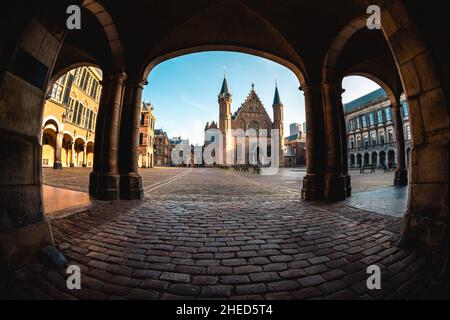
x=313, y=182
x=344, y=142
x=84, y=156
x=130, y=180
x=401, y=174
x=104, y=181
x=72, y=154
x=57, y=164
x=335, y=180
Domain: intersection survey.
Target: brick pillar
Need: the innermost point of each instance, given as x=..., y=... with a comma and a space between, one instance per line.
x=130, y=180
x=401, y=174
x=57, y=164
x=104, y=183
x=313, y=182
x=335, y=180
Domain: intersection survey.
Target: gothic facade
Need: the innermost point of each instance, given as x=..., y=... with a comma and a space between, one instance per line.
x=250, y=115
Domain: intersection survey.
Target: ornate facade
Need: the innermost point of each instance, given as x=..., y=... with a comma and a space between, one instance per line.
x=371, y=130
x=250, y=115
x=147, y=136
x=70, y=113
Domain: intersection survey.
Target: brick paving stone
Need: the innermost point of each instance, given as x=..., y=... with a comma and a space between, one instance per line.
x=219, y=270
x=184, y=289
x=311, y=281
x=275, y=267
x=285, y=285
x=264, y=276
x=234, y=279
x=154, y=284
x=247, y=269
x=306, y=293
x=318, y=260
x=259, y=260
x=205, y=280
x=333, y=274
x=251, y=289
x=332, y=286
x=233, y=262
x=218, y=291
x=293, y=273
x=120, y=270
x=140, y=294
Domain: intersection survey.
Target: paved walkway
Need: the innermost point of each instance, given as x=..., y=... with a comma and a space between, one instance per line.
x=211, y=233
x=58, y=199
x=390, y=200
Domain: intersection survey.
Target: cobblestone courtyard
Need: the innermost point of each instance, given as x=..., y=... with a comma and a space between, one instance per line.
x=212, y=233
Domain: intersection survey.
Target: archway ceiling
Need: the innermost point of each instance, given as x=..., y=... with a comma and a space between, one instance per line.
x=88, y=45
x=308, y=27
x=292, y=30
x=368, y=52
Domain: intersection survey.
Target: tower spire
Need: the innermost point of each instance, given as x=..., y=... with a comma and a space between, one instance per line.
x=276, y=98
x=224, y=89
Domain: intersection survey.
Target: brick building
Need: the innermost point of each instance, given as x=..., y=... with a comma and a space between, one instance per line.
x=147, y=136
x=162, y=148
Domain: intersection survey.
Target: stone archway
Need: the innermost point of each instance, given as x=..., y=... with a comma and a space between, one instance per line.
x=352, y=160
x=49, y=137
x=374, y=158
x=424, y=94
x=366, y=158
x=359, y=160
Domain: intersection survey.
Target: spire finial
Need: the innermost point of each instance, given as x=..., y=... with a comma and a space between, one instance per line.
x=253, y=87
x=224, y=72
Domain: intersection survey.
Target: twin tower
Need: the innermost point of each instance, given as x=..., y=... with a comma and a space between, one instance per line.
x=250, y=115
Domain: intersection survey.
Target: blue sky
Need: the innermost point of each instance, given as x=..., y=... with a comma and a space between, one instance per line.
x=184, y=90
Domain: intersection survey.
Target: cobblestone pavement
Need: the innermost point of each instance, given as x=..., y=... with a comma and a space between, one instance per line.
x=77, y=179
x=216, y=234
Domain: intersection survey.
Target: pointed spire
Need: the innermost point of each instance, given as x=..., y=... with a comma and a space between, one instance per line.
x=224, y=89
x=276, y=98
